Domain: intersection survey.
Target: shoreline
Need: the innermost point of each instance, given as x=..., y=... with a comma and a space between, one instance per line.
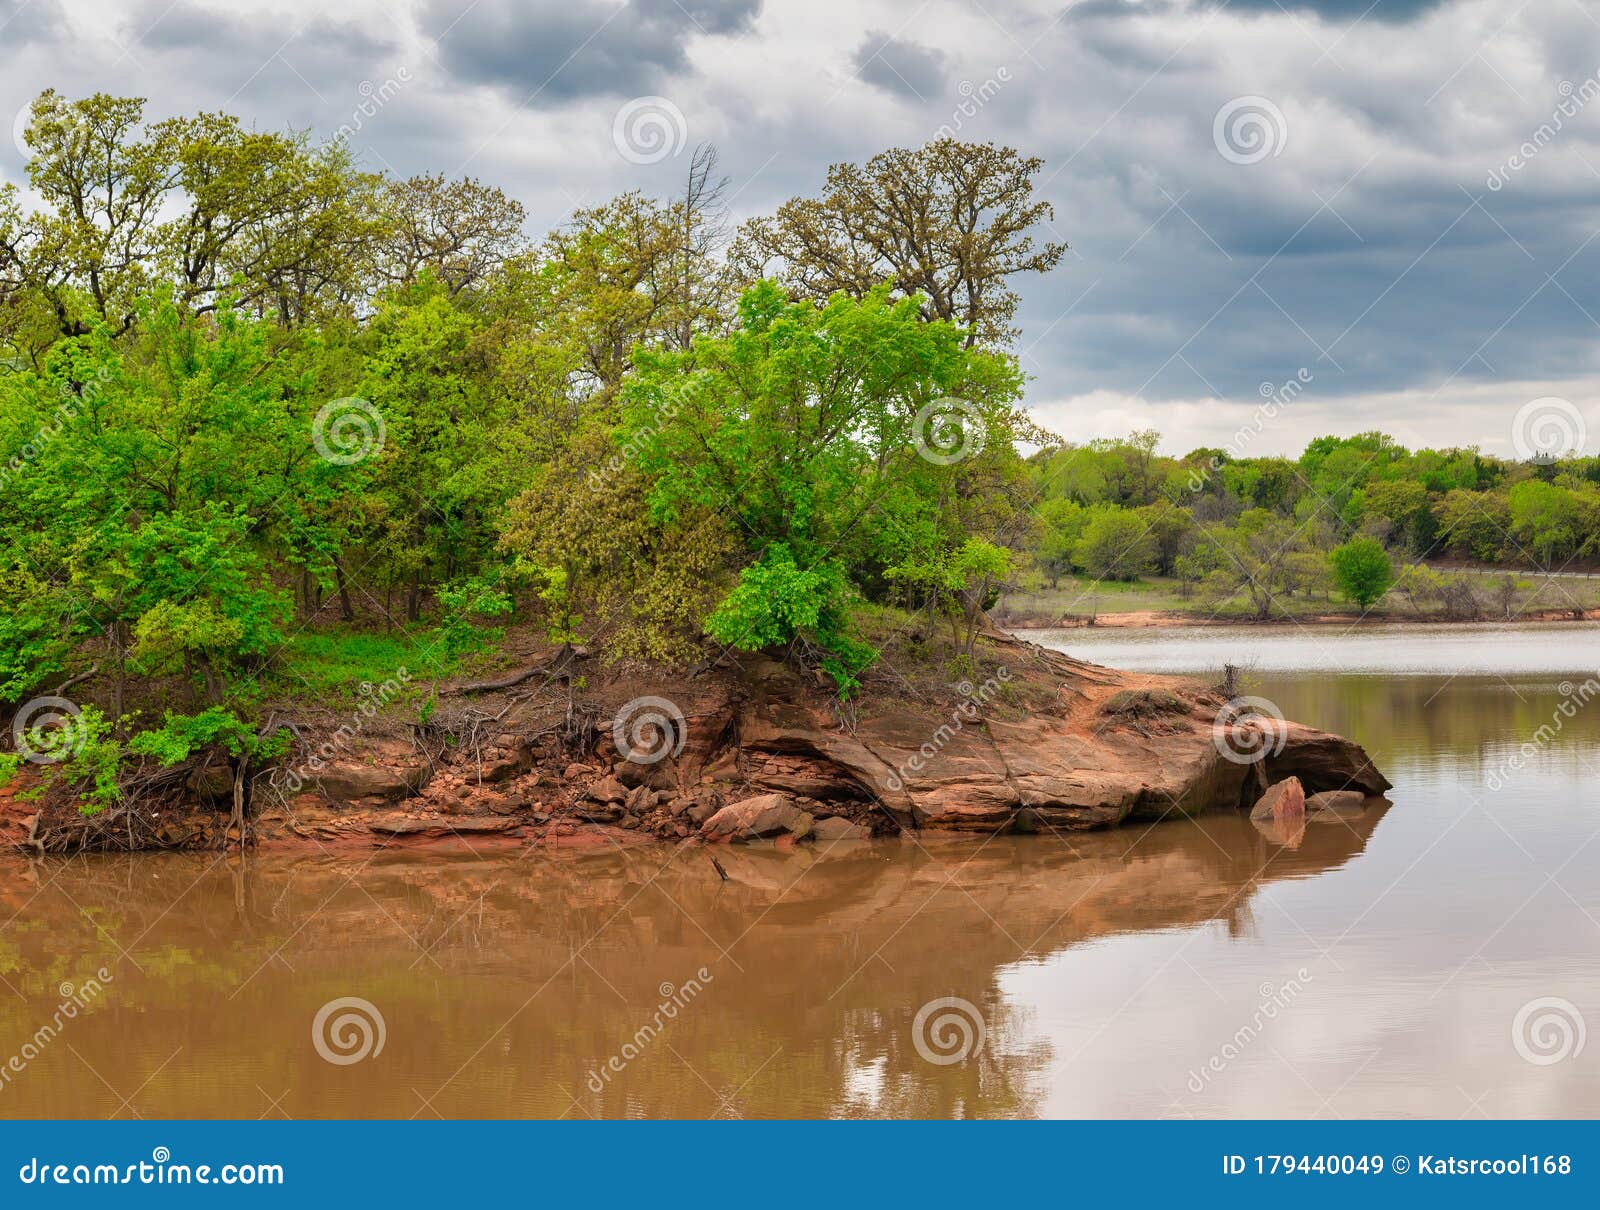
x=1166, y=619
x=749, y=750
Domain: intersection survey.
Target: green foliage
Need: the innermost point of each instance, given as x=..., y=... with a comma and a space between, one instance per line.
x=826, y=403
x=86, y=754
x=463, y=604
x=91, y=754
x=1116, y=545
x=1061, y=525
x=776, y=603
x=1363, y=570
x=1206, y=513
x=1261, y=556
x=959, y=582
x=332, y=665
x=246, y=386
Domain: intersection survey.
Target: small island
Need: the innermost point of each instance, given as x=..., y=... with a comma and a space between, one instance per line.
x=345, y=512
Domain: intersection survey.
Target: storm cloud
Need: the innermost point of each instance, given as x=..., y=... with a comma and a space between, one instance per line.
x=568, y=50
x=31, y=22
x=1398, y=200
x=900, y=66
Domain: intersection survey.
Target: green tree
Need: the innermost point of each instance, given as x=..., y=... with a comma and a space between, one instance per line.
x=1116, y=545
x=1543, y=520
x=1061, y=525
x=1171, y=529
x=961, y=583
x=949, y=223
x=1475, y=524
x=1257, y=555
x=1362, y=569
x=805, y=423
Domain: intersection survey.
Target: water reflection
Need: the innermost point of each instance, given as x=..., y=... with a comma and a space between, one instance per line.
x=1108, y=969
x=507, y=984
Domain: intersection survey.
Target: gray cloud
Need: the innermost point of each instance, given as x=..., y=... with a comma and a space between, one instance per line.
x=563, y=52
x=1330, y=10
x=30, y=22
x=900, y=66
x=299, y=64
x=1371, y=248
x=1340, y=10
x=232, y=39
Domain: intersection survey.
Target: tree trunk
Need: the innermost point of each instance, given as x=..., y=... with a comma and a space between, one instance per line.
x=346, y=613
x=237, y=819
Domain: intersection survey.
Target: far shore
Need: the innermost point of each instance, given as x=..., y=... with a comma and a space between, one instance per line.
x=1166, y=619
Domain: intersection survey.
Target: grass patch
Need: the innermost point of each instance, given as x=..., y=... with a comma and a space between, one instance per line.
x=1144, y=703
x=1081, y=597
x=332, y=665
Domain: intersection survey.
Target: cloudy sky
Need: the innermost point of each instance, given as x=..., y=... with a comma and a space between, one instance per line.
x=1254, y=190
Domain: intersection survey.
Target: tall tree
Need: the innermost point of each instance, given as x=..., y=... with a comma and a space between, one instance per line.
x=461, y=230
x=949, y=222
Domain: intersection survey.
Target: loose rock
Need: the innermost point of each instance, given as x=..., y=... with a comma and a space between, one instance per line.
x=754, y=818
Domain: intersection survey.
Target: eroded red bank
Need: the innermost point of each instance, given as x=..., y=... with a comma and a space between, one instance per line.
x=1033, y=741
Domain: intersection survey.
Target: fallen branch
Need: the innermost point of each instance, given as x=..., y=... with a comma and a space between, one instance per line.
x=62, y=688
x=551, y=667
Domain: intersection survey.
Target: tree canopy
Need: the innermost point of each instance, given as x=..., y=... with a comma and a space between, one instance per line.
x=251, y=393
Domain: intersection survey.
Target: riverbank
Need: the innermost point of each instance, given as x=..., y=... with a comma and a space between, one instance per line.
x=569, y=752
x=1150, y=619
x=1495, y=596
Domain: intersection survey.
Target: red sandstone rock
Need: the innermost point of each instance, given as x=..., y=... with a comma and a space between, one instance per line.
x=826, y=831
x=1043, y=756
x=1335, y=801
x=1284, y=802
x=754, y=818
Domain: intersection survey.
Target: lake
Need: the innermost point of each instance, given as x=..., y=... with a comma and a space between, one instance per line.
x=1436, y=956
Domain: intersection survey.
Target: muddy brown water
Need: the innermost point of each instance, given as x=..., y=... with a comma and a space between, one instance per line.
x=1439, y=956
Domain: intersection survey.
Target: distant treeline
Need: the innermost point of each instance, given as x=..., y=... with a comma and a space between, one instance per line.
x=1117, y=509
